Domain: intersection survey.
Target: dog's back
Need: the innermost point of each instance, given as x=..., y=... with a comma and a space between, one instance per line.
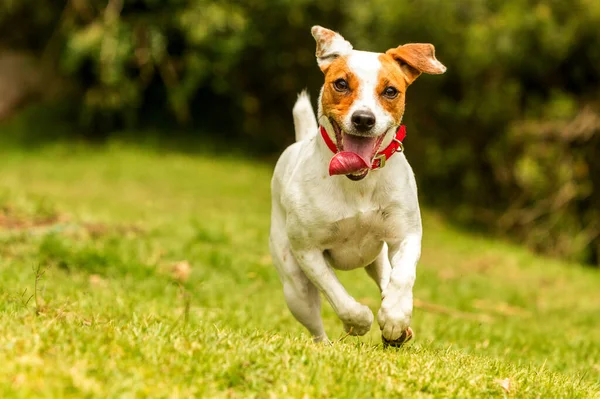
x=304, y=117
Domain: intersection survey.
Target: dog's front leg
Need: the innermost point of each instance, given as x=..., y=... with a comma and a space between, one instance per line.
x=357, y=318
x=397, y=298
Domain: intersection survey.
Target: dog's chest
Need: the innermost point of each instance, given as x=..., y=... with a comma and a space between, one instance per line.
x=354, y=226
x=350, y=227
x=356, y=240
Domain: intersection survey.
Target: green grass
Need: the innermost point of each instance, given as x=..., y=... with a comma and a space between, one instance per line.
x=105, y=227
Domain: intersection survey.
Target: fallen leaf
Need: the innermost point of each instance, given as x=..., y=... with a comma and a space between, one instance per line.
x=97, y=280
x=18, y=380
x=181, y=270
x=505, y=384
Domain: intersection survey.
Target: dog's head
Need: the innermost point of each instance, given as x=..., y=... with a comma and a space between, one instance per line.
x=362, y=101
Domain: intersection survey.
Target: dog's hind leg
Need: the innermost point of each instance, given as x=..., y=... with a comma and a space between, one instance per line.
x=304, y=301
x=300, y=293
x=381, y=269
x=357, y=318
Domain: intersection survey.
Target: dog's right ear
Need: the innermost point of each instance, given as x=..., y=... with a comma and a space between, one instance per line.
x=330, y=45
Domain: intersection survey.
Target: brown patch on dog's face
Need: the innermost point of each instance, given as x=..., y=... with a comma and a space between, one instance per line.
x=390, y=79
x=337, y=100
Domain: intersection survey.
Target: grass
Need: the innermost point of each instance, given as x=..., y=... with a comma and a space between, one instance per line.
x=128, y=273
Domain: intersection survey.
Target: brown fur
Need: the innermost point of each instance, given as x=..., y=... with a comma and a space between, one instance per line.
x=391, y=75
x=337, y=104
x=399, y=68
x=415, y=58
x=324, y=36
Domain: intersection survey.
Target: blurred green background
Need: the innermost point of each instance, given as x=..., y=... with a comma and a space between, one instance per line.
x=506, y=141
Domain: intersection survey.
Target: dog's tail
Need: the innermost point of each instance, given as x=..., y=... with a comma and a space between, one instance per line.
x=305, y=122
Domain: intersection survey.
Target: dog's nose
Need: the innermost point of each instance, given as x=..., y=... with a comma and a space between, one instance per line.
x=363, y=121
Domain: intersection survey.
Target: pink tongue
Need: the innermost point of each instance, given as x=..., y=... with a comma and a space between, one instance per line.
x=345, y=162
x=356, y=156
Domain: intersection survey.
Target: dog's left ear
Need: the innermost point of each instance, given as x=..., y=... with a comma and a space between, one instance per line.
x=330, y=45
x=416, y=58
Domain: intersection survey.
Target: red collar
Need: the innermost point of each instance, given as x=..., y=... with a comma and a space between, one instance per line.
x=382, y=156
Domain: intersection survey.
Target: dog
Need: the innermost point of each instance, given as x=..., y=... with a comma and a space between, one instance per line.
x=344, y=195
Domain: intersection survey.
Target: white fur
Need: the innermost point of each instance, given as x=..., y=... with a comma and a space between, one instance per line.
x=366, y=66
x=321, y=222
x=305, y=124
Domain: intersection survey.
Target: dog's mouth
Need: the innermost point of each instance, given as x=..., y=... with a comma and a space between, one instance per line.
x=355, y=154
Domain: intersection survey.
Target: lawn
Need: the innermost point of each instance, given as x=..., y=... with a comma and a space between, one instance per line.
x=154, y=280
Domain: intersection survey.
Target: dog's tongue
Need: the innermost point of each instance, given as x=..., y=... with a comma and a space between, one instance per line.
x=356, y=156
x=346, y=162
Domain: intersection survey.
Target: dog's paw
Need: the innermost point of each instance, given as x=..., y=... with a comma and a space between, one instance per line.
x=394, y=321
x=406, y=336
x=358, y=320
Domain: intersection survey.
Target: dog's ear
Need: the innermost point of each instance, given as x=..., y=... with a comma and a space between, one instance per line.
x=330, y=45
x=416, y=58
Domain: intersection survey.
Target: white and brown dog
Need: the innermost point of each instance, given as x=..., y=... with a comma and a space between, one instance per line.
x=331, y=209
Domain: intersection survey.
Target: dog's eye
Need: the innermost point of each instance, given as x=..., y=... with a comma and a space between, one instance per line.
x=390, y=92
x=340, y=85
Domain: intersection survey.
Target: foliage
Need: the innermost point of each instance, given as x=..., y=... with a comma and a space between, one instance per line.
x=507, y=137
x=113, y=319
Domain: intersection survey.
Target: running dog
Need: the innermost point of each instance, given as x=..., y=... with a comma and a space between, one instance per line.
x=344, y=196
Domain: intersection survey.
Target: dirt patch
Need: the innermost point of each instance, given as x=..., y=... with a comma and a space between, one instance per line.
x=435, y=308
x=101, y=229
x=500, y=308
x=13, y=220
